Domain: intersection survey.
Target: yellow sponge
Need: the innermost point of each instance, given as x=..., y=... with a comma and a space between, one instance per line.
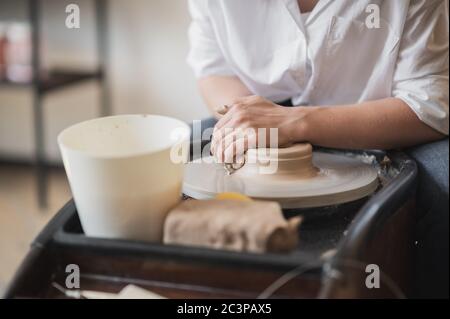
x=232, y=196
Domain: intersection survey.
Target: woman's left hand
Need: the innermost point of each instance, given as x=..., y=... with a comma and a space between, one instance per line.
x=240, y=128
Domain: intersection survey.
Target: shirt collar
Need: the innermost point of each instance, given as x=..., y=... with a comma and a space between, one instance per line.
x=294, y=11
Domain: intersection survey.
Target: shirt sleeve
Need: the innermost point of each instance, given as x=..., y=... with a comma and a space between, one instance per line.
x=205, y=56
x=421, y=76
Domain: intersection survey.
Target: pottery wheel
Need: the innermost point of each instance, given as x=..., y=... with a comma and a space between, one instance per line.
x=302, y=179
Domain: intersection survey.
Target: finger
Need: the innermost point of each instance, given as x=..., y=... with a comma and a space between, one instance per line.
x=218, y=151
x=224, y=138
x=222, y=110
x=229, y=155
x=220, y=133
x=224, y=134
x=224, y=120
x=235, y=152
x=238, y=104
x=216, y=139
x=235, y=148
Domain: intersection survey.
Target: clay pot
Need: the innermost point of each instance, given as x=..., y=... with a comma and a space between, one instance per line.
x=294, y=162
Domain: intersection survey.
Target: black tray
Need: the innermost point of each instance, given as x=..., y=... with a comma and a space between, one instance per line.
x=322, y=231
x=348, y=229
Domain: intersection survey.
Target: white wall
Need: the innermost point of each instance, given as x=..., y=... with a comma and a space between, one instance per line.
x=148, y=73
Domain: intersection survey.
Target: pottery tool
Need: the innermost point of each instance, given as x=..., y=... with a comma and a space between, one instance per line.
x=237, y=224
x=302, y=178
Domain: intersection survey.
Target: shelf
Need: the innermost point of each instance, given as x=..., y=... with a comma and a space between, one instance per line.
x=57, y=79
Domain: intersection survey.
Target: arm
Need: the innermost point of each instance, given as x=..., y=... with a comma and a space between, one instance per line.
x=381, y=124
x=216, y=80
x=221, y=90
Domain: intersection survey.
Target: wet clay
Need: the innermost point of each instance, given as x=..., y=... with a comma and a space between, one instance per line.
x=295, y=177
x=251, y=226
x=291, y=162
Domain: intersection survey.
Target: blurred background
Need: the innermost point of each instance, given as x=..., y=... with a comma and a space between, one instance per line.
x=126, y=57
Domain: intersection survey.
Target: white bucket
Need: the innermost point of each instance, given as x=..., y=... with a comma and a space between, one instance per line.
x=125, y=173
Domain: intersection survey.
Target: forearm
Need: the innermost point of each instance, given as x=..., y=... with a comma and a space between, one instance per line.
x=382, y=124
x=221, y=90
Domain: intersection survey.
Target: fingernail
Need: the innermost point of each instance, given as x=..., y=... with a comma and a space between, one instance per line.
x=222, y=109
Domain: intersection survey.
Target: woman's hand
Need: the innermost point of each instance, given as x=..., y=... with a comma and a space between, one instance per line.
x=240, y=128
x=380, y=124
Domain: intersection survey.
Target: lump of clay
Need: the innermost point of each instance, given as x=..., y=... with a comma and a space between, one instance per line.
x=251, y=226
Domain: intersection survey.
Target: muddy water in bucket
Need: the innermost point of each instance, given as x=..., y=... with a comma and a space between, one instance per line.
x=125, y=173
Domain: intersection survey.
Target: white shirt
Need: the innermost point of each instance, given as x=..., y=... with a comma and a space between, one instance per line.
x=332, y=57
